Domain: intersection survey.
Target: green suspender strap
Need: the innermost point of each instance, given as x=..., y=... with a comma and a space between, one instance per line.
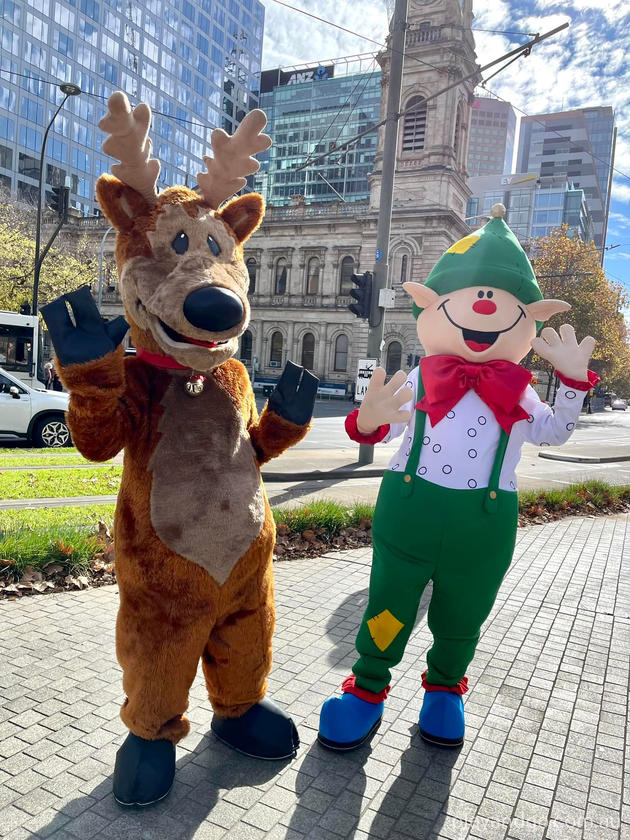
x=490, y=502
x=409, y=475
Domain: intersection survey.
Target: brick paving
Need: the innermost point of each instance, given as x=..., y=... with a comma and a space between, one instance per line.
x=546, y=744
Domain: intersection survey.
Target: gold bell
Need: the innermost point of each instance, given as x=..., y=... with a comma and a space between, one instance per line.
x=194, y=385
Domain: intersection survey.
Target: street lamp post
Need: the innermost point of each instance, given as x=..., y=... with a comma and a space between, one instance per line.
x=99, y=294
x=68, y=90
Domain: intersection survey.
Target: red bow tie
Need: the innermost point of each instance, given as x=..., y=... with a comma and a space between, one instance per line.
x=500, y=385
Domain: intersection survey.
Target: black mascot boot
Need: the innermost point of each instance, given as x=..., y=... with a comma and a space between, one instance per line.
x=264, y=731
x=144, y=770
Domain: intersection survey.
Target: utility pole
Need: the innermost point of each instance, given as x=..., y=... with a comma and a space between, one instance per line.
x=390, y=149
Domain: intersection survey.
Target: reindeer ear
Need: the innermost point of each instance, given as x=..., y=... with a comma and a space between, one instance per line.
x=243, y=214
x=121, y=204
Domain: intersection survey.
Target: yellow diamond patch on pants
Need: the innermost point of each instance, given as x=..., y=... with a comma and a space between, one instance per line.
x=384, y=628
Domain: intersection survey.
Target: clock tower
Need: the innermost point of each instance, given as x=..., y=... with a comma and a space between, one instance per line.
x=432, y=138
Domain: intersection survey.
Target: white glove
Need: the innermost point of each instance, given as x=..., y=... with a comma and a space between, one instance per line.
x=381, y=403
x=562, y=351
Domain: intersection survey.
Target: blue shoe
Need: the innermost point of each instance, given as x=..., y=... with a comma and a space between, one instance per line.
x=346, y=722
x=442, y=719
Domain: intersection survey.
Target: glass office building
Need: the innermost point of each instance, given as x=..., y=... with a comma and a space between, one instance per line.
x=196, y=62
x=579, y=145
x=491, y=137
x=312, y=110
x=535, y=205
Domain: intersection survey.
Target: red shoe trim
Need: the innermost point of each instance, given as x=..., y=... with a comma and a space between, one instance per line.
x=354, y=433
x=349, y=686
x=460, y=688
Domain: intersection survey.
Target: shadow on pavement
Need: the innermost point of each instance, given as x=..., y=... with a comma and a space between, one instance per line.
x=203, y=781
x=343, y=624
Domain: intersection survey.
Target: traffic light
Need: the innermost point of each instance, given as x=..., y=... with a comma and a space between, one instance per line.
x=362, y=295
x=60, y=200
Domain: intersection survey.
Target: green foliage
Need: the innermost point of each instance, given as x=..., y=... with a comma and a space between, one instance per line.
x=69, y=264
x=569, y=269
x=47, y=484
x=36, y=452
x=65, y=535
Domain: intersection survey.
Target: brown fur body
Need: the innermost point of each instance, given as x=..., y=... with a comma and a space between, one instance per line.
x=174, y=611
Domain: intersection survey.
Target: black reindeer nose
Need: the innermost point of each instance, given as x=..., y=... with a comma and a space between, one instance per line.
x=213, y=308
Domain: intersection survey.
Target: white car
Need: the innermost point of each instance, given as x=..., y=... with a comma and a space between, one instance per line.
x=34, y=414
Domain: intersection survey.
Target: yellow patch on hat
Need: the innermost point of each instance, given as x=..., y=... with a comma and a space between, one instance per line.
x=384, y=628
x=463, y=245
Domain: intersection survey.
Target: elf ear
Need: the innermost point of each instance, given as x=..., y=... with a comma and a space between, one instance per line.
x=542, y=310
x=422, y=295
x=121, y=204
x=243, y=214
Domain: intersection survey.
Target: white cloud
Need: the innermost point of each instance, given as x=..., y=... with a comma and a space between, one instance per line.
x=621, y=191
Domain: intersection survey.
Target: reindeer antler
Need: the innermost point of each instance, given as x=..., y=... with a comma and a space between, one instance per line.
x=233, y=158
x=129, y=142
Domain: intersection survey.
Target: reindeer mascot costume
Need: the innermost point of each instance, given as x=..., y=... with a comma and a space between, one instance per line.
x=194, y=531
x=447, y=508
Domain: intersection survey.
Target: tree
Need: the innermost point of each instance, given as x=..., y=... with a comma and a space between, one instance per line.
x=569, y=269
x=67, y=266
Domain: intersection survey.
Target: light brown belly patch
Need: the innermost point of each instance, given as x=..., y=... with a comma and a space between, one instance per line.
x=207, y=501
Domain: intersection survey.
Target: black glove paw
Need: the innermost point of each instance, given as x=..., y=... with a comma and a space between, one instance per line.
x=294, y=396
x=91, y=338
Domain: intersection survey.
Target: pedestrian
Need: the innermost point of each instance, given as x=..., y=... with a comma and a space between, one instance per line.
x=48, y=375
x=56, y=382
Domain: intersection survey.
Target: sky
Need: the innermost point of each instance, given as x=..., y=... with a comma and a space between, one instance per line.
x=586, y=65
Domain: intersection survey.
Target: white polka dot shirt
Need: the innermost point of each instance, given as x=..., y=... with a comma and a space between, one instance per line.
x=459, y=451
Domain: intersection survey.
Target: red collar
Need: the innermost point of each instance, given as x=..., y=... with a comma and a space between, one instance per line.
x=159, y=361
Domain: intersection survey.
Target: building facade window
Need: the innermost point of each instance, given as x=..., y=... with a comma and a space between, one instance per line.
x=345, y=277
x=415, y=126
x=403, y=269
x=252, y=268
x=246, y=347
x=394, y=357
x=275, y=355
x=308, y=351
x=312, y=276
x=280, y=285
x=341, y=353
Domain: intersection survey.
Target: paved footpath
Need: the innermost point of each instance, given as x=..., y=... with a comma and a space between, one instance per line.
x=547, y=715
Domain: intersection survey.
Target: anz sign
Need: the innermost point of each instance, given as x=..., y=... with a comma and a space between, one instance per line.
x=269, y=79
x=319, y=74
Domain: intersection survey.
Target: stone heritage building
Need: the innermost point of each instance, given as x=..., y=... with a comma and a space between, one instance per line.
x=302, y=258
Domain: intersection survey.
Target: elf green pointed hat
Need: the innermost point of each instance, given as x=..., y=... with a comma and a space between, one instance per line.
x=491, y=256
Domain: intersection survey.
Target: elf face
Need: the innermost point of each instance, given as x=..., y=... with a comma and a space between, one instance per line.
x=479, y=323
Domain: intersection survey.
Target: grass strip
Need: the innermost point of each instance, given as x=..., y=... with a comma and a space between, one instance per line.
x=35, y=450
x=68, y=535
x=47, y=484
x=48, y=460
x=65, y=535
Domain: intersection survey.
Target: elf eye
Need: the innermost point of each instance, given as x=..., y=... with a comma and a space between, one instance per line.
x=180, y=243
x=479, y=294
x=489, y=294
x=213, y=246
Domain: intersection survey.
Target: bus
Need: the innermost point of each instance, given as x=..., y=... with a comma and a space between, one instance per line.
x=21, y=347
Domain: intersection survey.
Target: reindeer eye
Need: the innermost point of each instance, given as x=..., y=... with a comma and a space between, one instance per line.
x=479, y=294
x=213, y=246
x=180, y=243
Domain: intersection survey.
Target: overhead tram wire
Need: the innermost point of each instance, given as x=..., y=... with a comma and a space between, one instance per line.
x=517, y=51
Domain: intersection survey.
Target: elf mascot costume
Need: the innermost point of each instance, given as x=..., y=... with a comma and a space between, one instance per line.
x=447, y=507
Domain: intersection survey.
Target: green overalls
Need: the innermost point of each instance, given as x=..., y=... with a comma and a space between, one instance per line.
x=462, y=540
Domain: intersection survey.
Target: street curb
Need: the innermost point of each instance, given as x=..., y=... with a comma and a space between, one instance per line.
x=583, y=459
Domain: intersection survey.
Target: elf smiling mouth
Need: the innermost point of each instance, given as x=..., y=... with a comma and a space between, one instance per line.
x=479, y=340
